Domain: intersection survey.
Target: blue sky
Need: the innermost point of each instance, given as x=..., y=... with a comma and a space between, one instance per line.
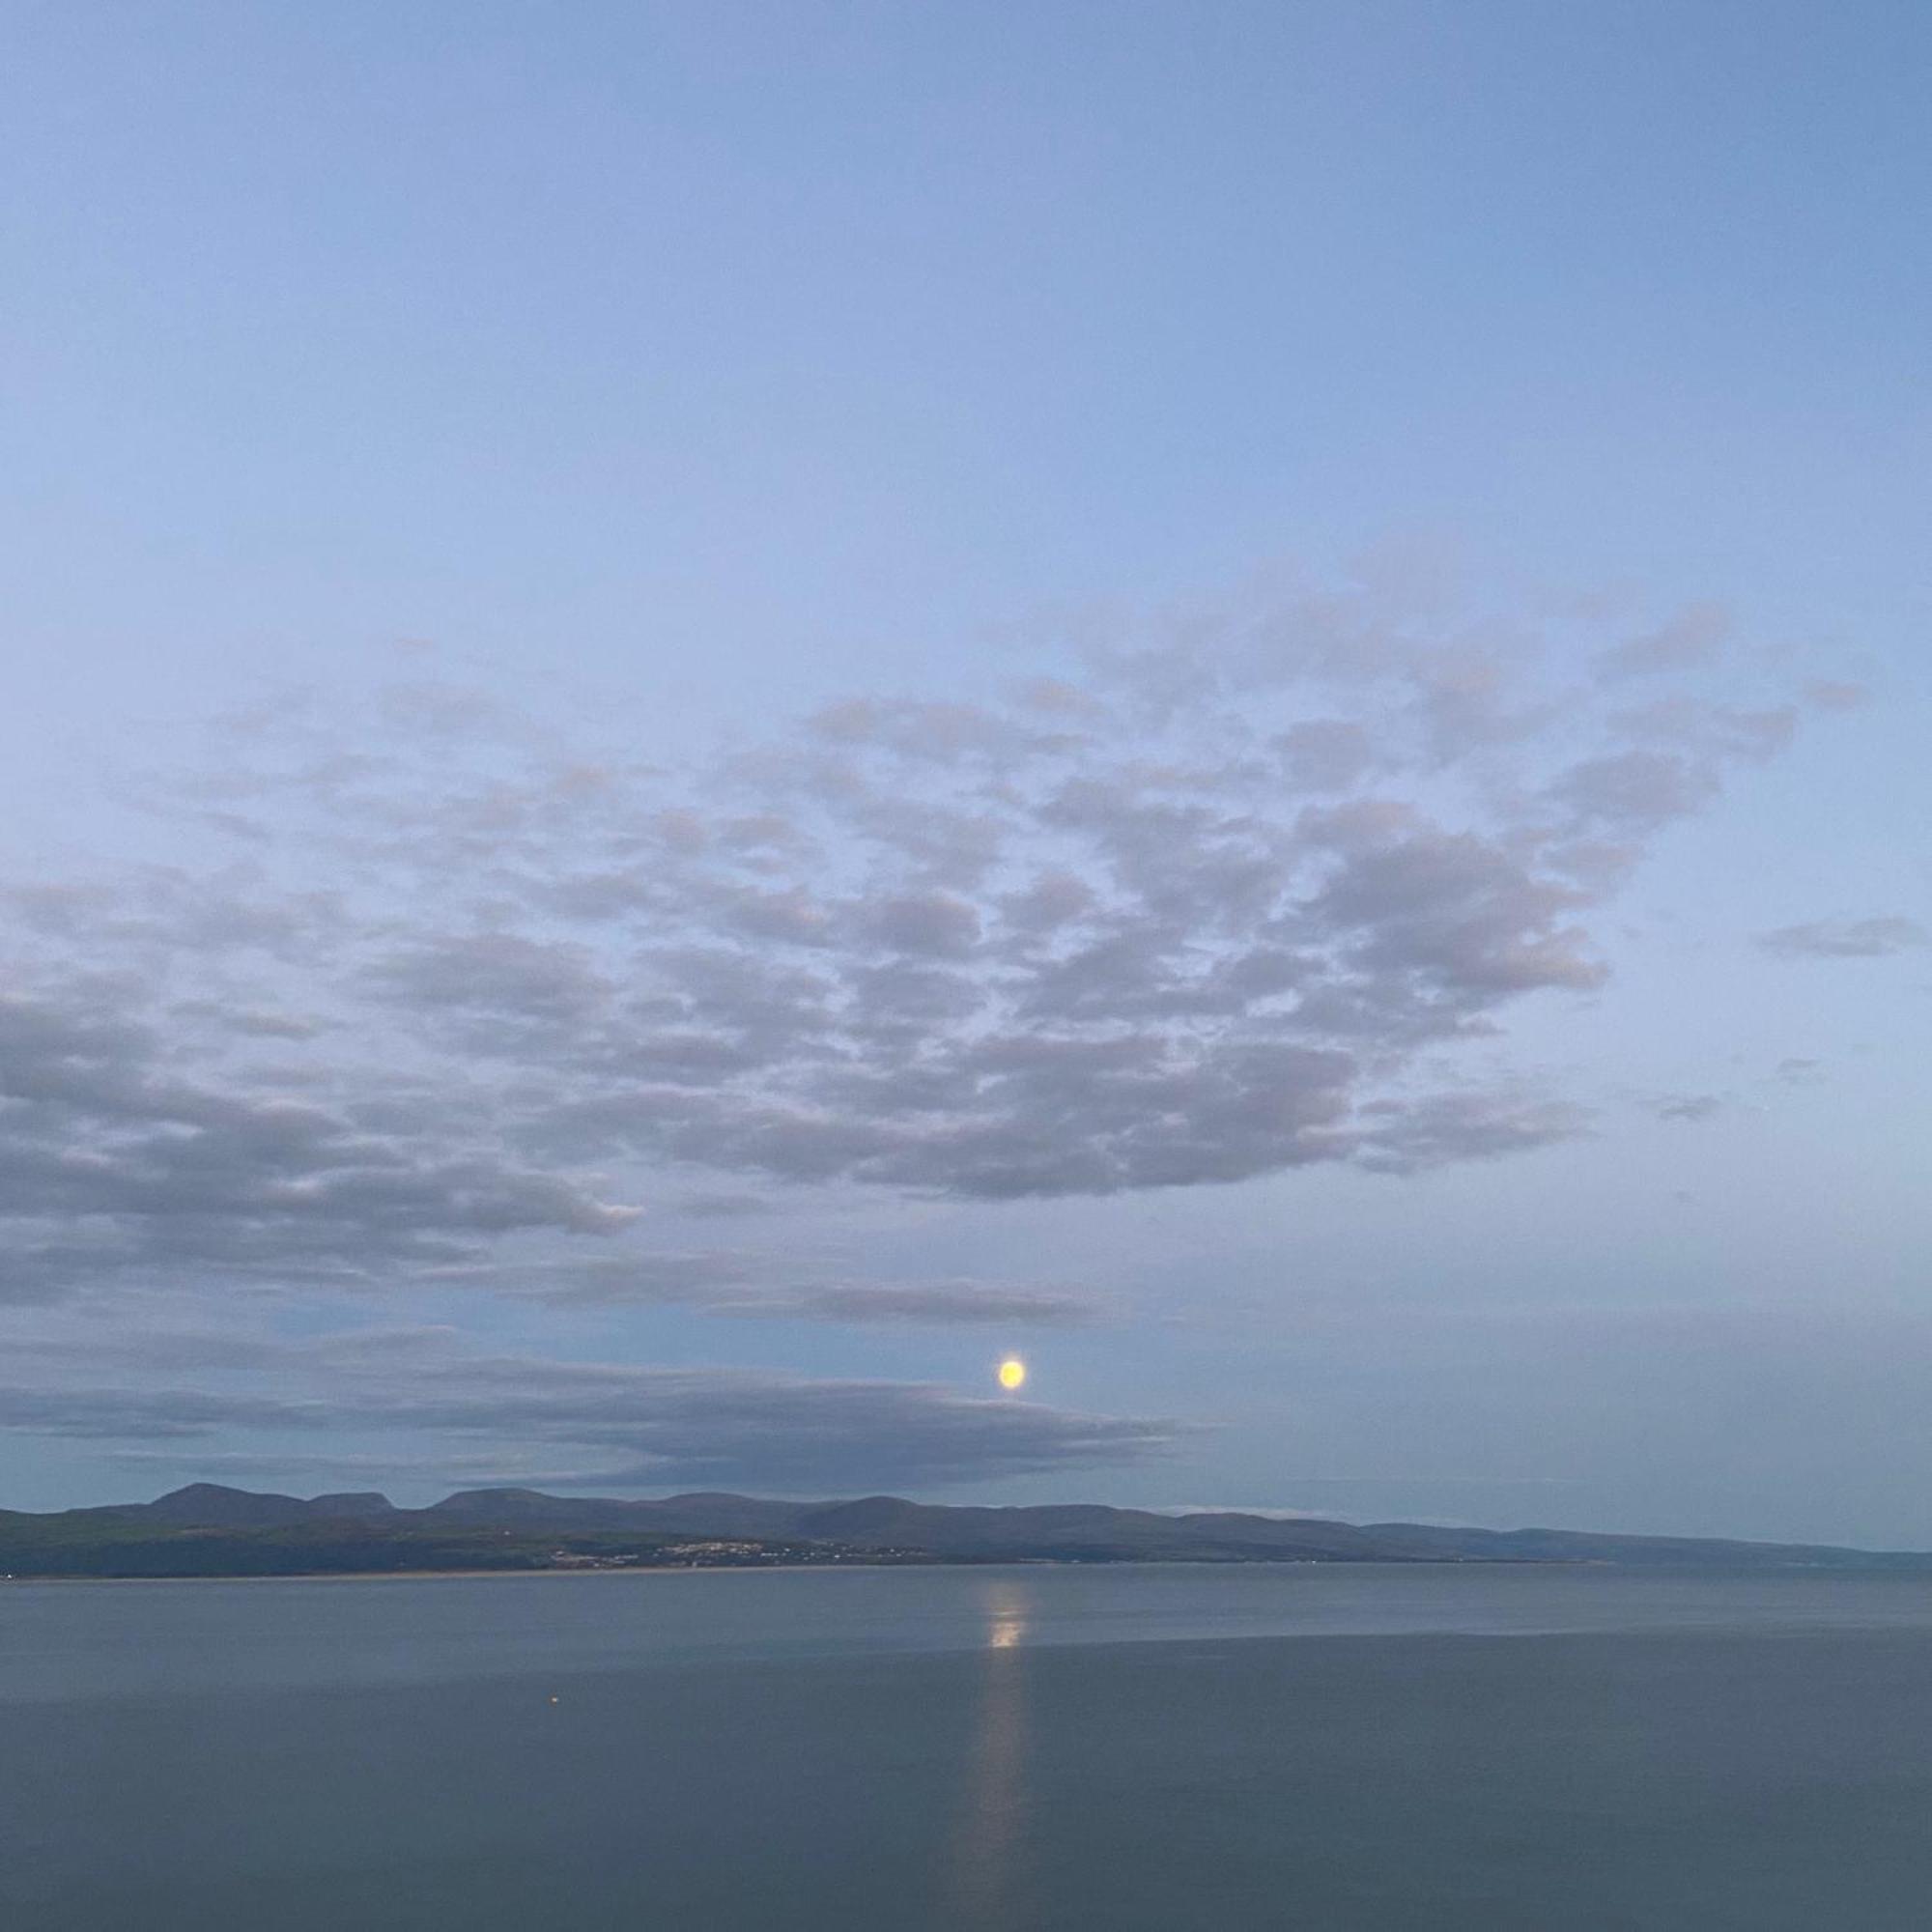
x=521, y=524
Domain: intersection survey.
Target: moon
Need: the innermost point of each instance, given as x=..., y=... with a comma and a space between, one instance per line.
x=1012, y=1374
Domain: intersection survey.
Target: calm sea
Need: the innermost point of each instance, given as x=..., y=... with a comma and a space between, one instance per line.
x=1354, y=1749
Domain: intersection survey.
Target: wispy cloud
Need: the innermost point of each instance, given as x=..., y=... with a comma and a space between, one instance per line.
x=619, y=1426
x=1846, y=939
x=1690, y=1108
x=766, y=1285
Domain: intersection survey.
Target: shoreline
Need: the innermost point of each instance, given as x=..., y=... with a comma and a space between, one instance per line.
x=781, y=1569
x=472, y=1575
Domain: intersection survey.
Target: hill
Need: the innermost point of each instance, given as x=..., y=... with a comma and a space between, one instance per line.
x=208, y=1531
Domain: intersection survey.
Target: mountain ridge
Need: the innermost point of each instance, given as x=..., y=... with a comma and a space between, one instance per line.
x=210, y=1529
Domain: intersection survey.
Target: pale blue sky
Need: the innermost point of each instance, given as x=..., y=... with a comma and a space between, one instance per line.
x=660, y=375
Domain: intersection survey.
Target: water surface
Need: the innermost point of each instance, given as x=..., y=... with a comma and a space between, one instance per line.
x=1320, y=1746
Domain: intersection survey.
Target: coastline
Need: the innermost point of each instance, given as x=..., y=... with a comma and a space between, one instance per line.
x=783, y=1569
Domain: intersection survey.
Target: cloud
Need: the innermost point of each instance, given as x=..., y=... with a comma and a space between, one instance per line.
x=1845, y=939
x=1449, y=1128
x=294, y=1470
x=923, y=1304
x=1627, y=793
x=1690, y=1108
x=137, y=1414
x=1836, y=694
x=1325, y=754
x=619, y=1426
x=1210, y=901
x=766, y=1287
x=109, y=1160
x=1690, y=641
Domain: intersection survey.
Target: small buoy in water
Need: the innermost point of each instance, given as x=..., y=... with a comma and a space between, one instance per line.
x=553, y=1700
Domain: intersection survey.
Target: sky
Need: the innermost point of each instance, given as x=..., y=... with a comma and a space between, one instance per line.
x=712, y=712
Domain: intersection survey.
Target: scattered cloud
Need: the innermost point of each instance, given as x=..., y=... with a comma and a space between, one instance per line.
x=1846, y=939
x=1215, y=899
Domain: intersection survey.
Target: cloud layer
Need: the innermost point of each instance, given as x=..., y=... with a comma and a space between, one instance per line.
x=444, y=996
x=575, y=1424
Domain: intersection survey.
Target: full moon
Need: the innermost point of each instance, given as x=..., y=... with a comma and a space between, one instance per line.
x=1013, y=1373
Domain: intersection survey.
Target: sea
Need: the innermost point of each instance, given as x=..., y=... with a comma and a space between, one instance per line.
x=1330, y=1747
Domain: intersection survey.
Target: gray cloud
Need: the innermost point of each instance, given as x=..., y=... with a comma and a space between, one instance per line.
x=1690, y=1108
x=619, y=1426
x=1846, y=939
x=291, y=1468
x=933, y=1303
x=766, y=1285
x=142, y=1414
x=1186, y=913
x=109, y=1159
x=1325, y=754
x=1689, y=641
x=1448, y=1127
x=1633, y=793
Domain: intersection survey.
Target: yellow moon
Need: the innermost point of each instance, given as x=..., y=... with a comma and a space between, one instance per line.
x=1013, y=1373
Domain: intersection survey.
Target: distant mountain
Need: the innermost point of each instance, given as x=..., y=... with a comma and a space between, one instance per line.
x=207, y=1530
x=211, y=1506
